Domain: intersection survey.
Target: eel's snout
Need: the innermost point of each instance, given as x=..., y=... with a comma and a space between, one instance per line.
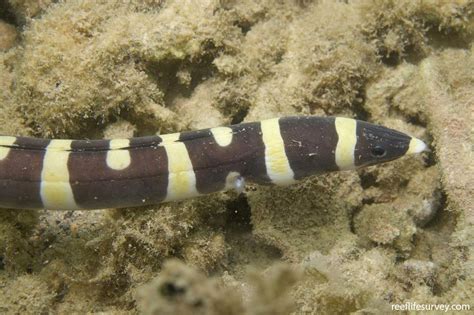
x=417, y=146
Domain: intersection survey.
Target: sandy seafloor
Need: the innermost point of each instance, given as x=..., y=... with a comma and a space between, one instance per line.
x=348, y=242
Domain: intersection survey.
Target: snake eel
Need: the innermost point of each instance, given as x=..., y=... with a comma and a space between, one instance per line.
x=96, y=174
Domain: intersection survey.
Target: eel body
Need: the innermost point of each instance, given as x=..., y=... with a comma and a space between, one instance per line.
x=95, y=174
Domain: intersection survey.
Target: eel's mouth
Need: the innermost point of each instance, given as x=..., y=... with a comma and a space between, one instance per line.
x=416, y=146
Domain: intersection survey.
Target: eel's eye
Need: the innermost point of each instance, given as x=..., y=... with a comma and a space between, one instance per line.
x=378, y=152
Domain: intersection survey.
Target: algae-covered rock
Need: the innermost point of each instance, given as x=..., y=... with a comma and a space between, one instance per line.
x=27, y=9
x=183, y=290
x=315, y=220
x=180, y=289
x=8, y=35
x=26, y=294
x=385, y=224
x=410, y=30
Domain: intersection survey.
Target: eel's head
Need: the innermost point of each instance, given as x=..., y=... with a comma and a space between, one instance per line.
x=377, y=144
